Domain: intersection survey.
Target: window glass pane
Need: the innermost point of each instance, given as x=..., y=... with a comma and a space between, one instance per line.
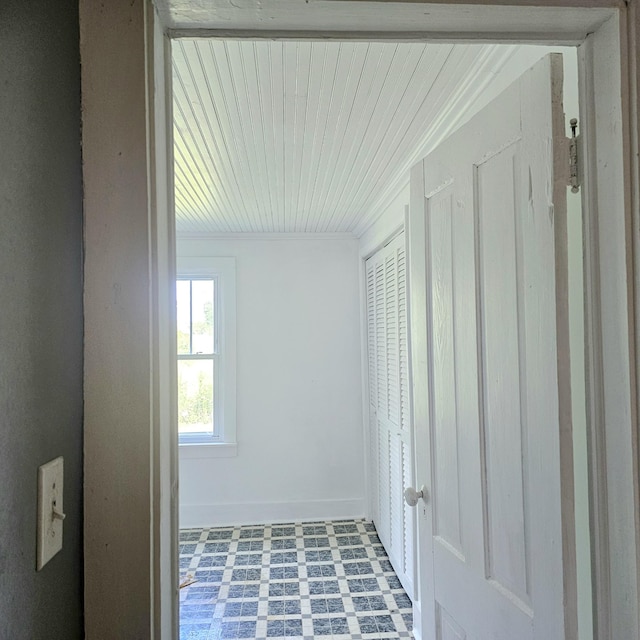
x=195, y=396
x=203, y=314
x=183, y=300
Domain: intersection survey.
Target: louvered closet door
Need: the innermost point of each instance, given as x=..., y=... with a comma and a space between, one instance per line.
x=391, y=455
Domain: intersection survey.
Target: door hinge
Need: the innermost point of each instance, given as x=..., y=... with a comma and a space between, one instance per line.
x=574, y=175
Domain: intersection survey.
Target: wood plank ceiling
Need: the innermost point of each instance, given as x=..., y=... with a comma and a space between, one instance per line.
x=284, y=136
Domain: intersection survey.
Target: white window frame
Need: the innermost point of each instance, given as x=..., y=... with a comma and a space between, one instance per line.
x=224, y=442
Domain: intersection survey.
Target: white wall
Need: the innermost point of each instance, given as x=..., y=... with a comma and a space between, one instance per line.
x=299, y=404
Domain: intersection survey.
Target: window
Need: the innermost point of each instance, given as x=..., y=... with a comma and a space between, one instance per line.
x=205, y=296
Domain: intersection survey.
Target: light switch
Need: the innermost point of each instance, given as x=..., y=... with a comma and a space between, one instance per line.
x=50, y=511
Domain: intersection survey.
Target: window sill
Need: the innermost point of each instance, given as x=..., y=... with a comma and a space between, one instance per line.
x=200, y=450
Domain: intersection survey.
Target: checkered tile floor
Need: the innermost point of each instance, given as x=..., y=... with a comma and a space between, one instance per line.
x=328, y=580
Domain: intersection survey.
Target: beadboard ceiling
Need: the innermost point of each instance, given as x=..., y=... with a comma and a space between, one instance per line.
x=284, y=136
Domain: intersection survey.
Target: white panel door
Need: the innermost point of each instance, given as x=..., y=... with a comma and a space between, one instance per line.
x=491, y=387
x=390, y=432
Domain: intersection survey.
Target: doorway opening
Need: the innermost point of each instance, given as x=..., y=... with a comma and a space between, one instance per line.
x=291, y=163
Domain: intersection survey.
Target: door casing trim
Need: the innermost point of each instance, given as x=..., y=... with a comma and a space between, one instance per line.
x=613, y=323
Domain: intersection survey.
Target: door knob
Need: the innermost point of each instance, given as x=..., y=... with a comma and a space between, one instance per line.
x=412, y=496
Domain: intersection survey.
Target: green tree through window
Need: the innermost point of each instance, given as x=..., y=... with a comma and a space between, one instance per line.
x=196, y=355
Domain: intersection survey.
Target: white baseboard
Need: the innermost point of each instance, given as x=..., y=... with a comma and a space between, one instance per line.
x=221, y=515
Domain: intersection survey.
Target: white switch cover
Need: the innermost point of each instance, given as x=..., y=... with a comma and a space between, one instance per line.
x=50, y=512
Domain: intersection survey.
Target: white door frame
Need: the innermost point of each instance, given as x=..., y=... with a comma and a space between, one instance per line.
x=130, y=522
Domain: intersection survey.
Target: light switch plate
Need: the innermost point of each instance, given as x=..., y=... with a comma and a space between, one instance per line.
x=50, y=491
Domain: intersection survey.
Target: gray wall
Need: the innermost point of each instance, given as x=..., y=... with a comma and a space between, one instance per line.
x=40, y=310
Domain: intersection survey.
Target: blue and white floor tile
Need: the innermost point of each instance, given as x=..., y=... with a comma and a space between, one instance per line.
x=327, y=580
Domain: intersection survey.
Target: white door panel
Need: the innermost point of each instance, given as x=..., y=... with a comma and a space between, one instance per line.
x=492, y=408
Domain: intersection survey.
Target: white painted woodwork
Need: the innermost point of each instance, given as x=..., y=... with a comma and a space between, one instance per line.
x=129, y=275
x=391, y=433
x=164, y=387
x=313, y=136
x=488, y=221
x=113, y=211
x=612, y=396
x=431, y=19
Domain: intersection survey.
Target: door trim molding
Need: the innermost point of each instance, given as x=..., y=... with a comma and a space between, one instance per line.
x=609, y=327
x=118, y=221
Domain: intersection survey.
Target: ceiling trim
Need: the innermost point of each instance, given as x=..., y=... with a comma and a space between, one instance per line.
x=552, y=21
x=615, y=4
x=443, y=37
